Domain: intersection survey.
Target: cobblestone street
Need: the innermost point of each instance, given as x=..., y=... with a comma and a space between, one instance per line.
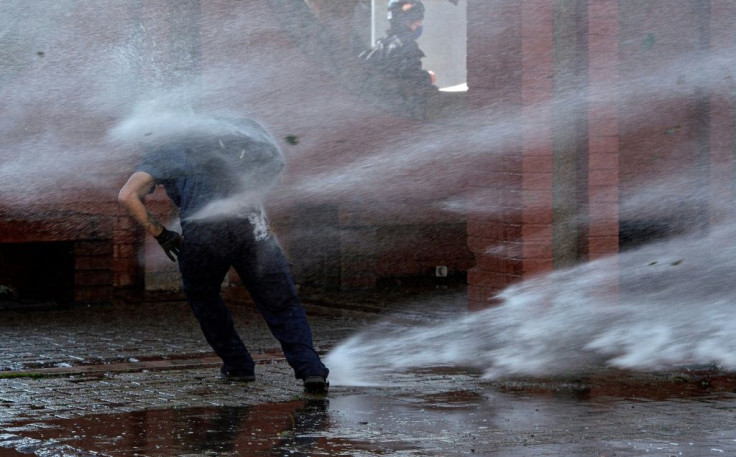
x=139, y=380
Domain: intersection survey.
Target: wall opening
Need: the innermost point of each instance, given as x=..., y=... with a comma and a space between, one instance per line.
x=444, y=40
x=37, y=273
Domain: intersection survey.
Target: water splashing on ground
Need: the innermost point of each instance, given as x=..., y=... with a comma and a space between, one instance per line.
x=666, y=304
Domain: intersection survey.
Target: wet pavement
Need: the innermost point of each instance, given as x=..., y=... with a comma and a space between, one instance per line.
x=138, y=380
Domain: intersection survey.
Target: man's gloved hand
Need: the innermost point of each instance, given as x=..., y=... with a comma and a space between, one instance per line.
x=170, y=242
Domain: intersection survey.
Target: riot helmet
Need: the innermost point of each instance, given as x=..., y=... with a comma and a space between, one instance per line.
x=403, y=11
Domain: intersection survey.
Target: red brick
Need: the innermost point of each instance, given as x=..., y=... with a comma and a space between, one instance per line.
x=123, y=251
x=480, y=244
x=87, y=248
x=603, y=9
x=477, y=293
x=607, y=213
x=128, y=237
x=602, y=245
x=602, y=194
x=537, y=57
x=399, y=266
x=537, y=266
x=604, y=75
x=543, y=215
x=508, y=249
x=603, y=228
x=92, y=262
x=512, y=232
x=603, y=110
x=604, y=177
x=537, y=181
x=487, y=279
x=537, y=233
x=487, y=227
x=603, y=126
x=123, y=279
x=538, y=163
x=536, y=14
x=599, y=46
x=535, y=199
x=604, y=144
x=510, y=61
x=538, y=251
x=603, y=160
x=536, y=93
x=489, y=263
x=482, y=297
x=606, y=26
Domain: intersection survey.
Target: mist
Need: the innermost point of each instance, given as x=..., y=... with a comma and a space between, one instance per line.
x=87, y=84
x=663, y=306
x=80, y=99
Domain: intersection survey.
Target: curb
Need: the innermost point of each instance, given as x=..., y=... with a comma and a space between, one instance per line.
x=130, y=367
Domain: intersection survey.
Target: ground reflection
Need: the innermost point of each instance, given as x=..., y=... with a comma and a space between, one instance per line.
x=423, y=418
x=291, y=428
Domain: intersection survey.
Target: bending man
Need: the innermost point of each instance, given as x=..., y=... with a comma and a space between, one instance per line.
x=217, y=174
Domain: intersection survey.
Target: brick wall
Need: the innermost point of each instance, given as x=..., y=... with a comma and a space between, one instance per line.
x=537, y=149
x=494, y=188
x=87, y=241
x=351, y=246
x=355, y=241
x=543, y=62
x=722, y=114
x=619, y=101
x=603, y=133
x=556, y=77
x=679, y=139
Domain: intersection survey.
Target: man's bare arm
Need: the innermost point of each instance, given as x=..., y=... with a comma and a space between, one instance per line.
x=131, y=197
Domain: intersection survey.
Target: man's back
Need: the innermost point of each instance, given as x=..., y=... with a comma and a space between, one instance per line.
x=238, y=159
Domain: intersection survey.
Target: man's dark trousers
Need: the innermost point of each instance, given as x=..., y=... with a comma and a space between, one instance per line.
x=208, y=251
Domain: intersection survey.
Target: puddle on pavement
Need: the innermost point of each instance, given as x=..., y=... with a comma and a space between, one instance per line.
x=423, y=418
x=364, y=423
x=291, y=428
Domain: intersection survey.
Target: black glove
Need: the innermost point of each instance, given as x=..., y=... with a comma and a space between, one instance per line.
x=170, y=242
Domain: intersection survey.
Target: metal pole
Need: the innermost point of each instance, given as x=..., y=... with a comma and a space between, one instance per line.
x=373, y=22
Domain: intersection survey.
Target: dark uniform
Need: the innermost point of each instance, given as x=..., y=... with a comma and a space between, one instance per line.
x=394, y=70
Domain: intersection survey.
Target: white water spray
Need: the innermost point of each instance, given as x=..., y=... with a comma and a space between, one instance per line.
x=73, y=64
x=668, y=304
x=78, y=69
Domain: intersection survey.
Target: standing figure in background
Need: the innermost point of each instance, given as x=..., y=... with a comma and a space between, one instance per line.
x=395, y=62
x=216, y=173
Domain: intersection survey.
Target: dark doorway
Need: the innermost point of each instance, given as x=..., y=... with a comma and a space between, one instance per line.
x=34, y=273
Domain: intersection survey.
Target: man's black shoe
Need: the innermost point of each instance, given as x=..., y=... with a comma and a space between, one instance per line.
x=237, y=376
x=315, y=385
